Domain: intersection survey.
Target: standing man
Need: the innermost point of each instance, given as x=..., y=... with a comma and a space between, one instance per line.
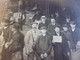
x=16, y=43
x=51, y=27
x=44, y=46
x=68, y=36
x=30, y=41
x=43, y=22
x=75, y=34
x=7, y=34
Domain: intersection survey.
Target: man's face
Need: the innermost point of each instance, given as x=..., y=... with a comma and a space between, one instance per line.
x=57, y=29
x=65, y=28
x=73, y=25
x=43, y=31
x=53, y=21
x=68, y=20
x=43, y=20
x=34, y=26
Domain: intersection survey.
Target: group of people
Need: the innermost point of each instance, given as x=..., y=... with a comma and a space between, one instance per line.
x=51, y=41
x=46, y=40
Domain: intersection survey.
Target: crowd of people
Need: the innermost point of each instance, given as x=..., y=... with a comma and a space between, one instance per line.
x=48, y=38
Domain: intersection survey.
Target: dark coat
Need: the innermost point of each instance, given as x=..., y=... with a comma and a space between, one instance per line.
x=7, y=33
x=61, y=49
x=69, y=38
x=18, y=42
x=75, y=36
x=43, y=44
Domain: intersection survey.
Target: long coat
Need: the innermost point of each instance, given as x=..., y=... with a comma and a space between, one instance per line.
x=16, y=47
x=61, y=49
x=75, y=36
x=30, y=39
x=69, y=38
x=7, y=33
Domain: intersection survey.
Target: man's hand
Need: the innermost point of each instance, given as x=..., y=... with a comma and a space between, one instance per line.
x=42, y=55
x=6, y=45
x=45, y=55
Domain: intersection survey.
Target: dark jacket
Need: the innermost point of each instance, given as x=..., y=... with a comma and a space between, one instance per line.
x=18, y=42
x=43, y=44
x=69, y=38
x=75, y=36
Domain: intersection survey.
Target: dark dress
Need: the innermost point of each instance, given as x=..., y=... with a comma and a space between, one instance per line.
x=61, y=49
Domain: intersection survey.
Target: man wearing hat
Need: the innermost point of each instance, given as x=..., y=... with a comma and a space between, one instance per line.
x=16, y=43
x=43, y=22
x=7, y=33
x=43, y=45
x=75, y=31
x=68, y=36
x=51, y=27
x=30, y=40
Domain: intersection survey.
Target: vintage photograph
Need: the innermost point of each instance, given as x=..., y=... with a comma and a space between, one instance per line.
x=40, y=30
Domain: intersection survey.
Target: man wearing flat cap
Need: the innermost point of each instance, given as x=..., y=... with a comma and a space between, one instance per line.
x=43, y=45
x=68, y=36
x=16, y=43
x=30, y=40
x=7, y=33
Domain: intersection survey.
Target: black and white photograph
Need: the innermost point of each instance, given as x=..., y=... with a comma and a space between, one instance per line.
x=40, y=30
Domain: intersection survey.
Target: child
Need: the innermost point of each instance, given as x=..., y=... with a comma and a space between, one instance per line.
x=43, y=45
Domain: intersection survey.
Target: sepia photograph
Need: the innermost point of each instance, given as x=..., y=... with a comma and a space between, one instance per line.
x=39, y=29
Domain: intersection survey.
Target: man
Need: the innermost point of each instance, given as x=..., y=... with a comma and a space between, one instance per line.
x=43, y=22
x=68, y=35
x=19, y=17
x=30, y=40
x=43, y=46
x=60, y=45
x=69, y=38
x=16, y=43
x=68, y=23
x=75, y=34
x=7, y=33
x=51, y=27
